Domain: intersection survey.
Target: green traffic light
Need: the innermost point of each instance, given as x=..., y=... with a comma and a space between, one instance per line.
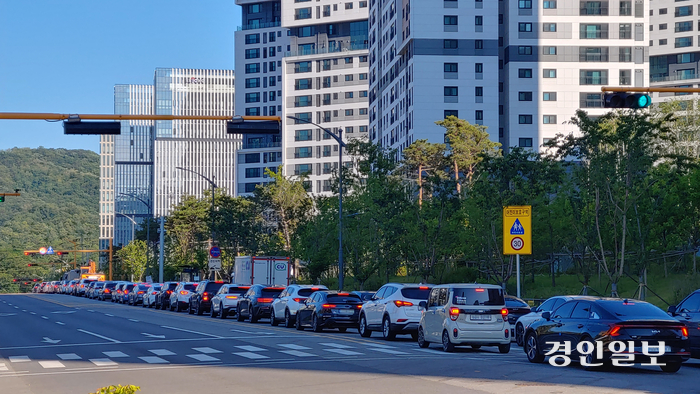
x=2, y=198
x=643, y=101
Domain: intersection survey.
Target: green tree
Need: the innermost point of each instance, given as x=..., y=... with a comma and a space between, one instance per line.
x=133, y=259
x=188, y=228
x=421, y=156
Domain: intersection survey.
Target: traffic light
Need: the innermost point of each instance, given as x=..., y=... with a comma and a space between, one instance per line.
x=32, y=265
x=2, y=198
x=91, y=128
x=27, y=253
x=239, y=126
x=627, y=100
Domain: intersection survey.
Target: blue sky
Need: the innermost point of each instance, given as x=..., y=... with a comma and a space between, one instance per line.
x=65, y=56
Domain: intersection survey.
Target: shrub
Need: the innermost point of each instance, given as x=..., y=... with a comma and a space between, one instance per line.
x=118, y=390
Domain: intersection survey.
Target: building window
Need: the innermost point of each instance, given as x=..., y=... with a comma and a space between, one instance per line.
x=625, y=54
x=303, y=152
x=363, y=93
x=549, y=50
x=250, y=187
x=594, y=8
x=525, y=96
x=549, y=96
x=525, y=142
x=348, y=6
x=450, y=44
x=684, y=26
x=363, y=129
x=683, y=42
x=450, y=67
x=524, y=73
x=591, y=100
x=479, y=68
x=252, y=83
x=348, y=95
x=450, y=20
x=524, y=27
x=349, y=112
x=302, y=13
x=451, y=112
x=684, y=11
x=302, y=67
x=252, y=38
x=479, y=114
x=348, y=77
x=479, y=91
x=524, y=50
x=363, y=111
x=255, y=111
x=625, y=77
x=663, y=41
x=593, y=77
x=525, y=119
x=301, y=169
x=252, y=158
x=252, y=172
x=348, y=60
x=663, y=11
x=625, y=31
x=303, y=135
x=304, y=118
x=252, y=53
x=450, y=91
x=252, y=97
x=363, y=4
x=303, y=84
x=479, y=20
x=549, y=27
x=525, y=4
x=478, y=44
x=302, y=101
x=625, y=8
x=549, y=119
x=663, y=26
x=549, y=73
x=548, y=5
x=593, y=31
x=252, y=68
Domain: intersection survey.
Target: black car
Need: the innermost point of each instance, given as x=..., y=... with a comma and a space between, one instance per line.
x=255, y=303
x=688, y=311
x=163, y=296
x=609, y=320
x=200, y=301
x=516, y=308
x=329, y=309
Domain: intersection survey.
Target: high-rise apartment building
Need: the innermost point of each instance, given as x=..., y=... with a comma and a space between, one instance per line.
x=138, y=171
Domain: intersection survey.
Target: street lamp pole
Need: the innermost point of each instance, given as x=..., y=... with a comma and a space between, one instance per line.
x=339, y=139
x=133, y=223
x=213, y=186
x=148, y=229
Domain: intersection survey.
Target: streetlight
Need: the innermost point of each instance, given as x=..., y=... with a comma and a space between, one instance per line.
x=133, y=223
x=213, y=186
x=339, y=139
x=148, y=230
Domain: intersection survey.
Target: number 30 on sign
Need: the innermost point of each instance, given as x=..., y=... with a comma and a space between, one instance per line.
x=517, y=230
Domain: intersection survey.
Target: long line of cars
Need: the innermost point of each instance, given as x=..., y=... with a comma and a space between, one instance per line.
x=450, y=315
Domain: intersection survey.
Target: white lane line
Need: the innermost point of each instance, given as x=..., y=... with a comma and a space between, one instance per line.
x=32, y=313
x=381, y=346
x=241, y=331
x=134, y=320
x=344, y=352
x=103, y=362
x=435, y=352
x=3, y=367
x=16, y=307
x=115, y=354
x=107, y=314
x=90, y=310
x=192, y=332
x=250, y=355
x=19, y=359
x=297, y=353
x=251, y=348
x=69, y=356
x=154, y=360
x=51, y=364
x=61, y=323
x=294, y=347
x=206, y=350
x=24, y=310
x=202, y=357
x=44, y=317
x=336, y=345
x=162, y=352
x=387, y=351
x=99, y=336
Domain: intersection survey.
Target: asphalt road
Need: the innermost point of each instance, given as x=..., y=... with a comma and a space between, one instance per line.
x=61, y=344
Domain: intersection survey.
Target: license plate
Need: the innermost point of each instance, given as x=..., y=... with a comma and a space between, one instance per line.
x=479, y=317
x=346, y=311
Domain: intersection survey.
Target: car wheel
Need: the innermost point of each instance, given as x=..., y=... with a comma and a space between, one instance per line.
x=251, y=315
x=222, y=312
x=342, y=329
x=314, y=324
x=504, y=348
x=199, y=310
x=287, y=319
x=386, y=329
x=273, y=319
x=239, y=316
x=447, y=346
x=414, y=336
x=364, y=331
x=143, y=304
x=532, y=350
x=422, y=343
x=212, y=313
x=671, y=367
x=519, y=331
x=297, y=324
x=190, y=310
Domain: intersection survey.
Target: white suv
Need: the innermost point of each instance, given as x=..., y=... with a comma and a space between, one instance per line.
x=393, y=310
x=225, y=301
x=465, y=314
x=287, y=304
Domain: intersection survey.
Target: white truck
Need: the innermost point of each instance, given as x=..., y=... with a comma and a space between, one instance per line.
x=266, y=270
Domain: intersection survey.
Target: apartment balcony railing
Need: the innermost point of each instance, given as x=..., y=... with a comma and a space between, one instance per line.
x=675, y=77
x=258, y=145
x=319, y=51
x=253, y=26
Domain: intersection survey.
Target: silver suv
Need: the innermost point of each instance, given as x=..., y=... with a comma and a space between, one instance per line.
x=286, y=305
x=393, y=310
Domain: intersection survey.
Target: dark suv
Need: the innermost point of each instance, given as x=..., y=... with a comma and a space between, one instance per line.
x=200, y=301
x=255, y=303
x=163, y=297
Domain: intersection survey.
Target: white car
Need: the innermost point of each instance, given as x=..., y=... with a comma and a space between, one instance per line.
x=285, y=306
x=465, y=314
x=393, y=310
x=525, y=321
x=226, y=300
x=180, y=297
x=149, y=299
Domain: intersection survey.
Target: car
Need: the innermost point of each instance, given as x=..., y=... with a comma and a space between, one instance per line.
x=284, y=308
x=688, y=311
x=105, y=292
x=163, y=296
x=36, y=287
x=535, y=314
x=608, y=320
x=137, y=293
x=365, y=295
x=200, y=300
x=82, y=286
x=149, y=299
x=329, y=309
x=516, y=308
x=125, y=291
x=180, y=297
x=255, y=303
x=393, y=310
x=465, y=314
x=94, y=289
x=225, y=300
x=71, y=287
x=118, y=291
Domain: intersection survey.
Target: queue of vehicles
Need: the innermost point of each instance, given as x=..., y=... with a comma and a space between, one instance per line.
x=449, y=315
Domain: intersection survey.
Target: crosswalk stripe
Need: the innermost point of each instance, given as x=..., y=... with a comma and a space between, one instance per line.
x=3, y=367
x=297, y=353
x=103, y=362
x=69, y=356
x=336, y=345
x=19, y=359
x=206, y=350
x=251, y=355
x=51, y=364
x=154, y=360
x=162, y=352
x=344, y=352
x=387, y=351
x=202, y=357
x=115, y=354
x=294, y=347
x=251, y=348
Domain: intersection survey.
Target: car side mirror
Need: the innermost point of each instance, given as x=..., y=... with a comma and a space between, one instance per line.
x=533, y=309
x=546, y=315
x=672, y=310
x=423, y=305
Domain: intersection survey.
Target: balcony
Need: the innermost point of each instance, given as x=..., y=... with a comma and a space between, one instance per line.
x=320, y=51
x=258, y=145
x=259, y=26
x=669, y=78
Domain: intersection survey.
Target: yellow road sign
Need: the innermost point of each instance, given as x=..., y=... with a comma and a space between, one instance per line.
x=517, y=230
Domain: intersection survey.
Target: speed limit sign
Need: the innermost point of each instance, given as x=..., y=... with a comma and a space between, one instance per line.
x=517, y=243
x=517, y=230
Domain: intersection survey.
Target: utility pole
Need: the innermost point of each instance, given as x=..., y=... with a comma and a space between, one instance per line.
x=160, y=245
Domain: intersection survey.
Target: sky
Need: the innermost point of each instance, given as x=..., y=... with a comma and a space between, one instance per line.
x=65, y=56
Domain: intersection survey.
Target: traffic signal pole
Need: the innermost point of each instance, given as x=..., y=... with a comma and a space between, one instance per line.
x=54, y=116
x=629, y=89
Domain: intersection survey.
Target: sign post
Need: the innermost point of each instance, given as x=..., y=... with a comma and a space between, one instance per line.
x=214, y=258
x=517, y=234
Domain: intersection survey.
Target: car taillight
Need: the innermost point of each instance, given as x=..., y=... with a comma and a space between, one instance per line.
x=423, y=288
x=615, y=331
x=107, y=291
x=81, y=286
x=184, y=292
x=140, y=292
x=168, y=292
x=327, y=306
x=299, y=299
x=454, y=314
x=504, y=313
x=479, y=290
x=126, y=291
x=400, y=303
x=684, y=331
x=359, y=306
x=232, y=297
x=154, y=293
x=264, y=300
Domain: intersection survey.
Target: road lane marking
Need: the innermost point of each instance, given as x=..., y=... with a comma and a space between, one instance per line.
x=241, y=331
x=154, y=360
x=44, y=317
x=202, y=357
x=387, y=351
x=294, y=347
x=115, y=354
x=103, y=362
x=251, y=348
x=98, y=335
x=24, y=310
x=64, y=312
x=3, y=367
x=251, y=355
x=336, y=345
x=61, y=323
x=297, y=353
x=344, y=352
x=32, y=313
x=51, y=364
x=206, y=350
x=90, y=310
x=162, y=352
x=69, y=356
x=107, y=314
x=134, y=320
x=19, y=359
x=191, y=332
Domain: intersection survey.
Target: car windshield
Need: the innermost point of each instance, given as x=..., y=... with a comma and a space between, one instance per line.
x=172, y=286
x=634, y=309
x=271, y=291
x=237, y=290
x=307, y=292
x=478, y=296
x=416, y=293
x=213, y=287
x=189, y=286
x=343, y=299
x=513, y=303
